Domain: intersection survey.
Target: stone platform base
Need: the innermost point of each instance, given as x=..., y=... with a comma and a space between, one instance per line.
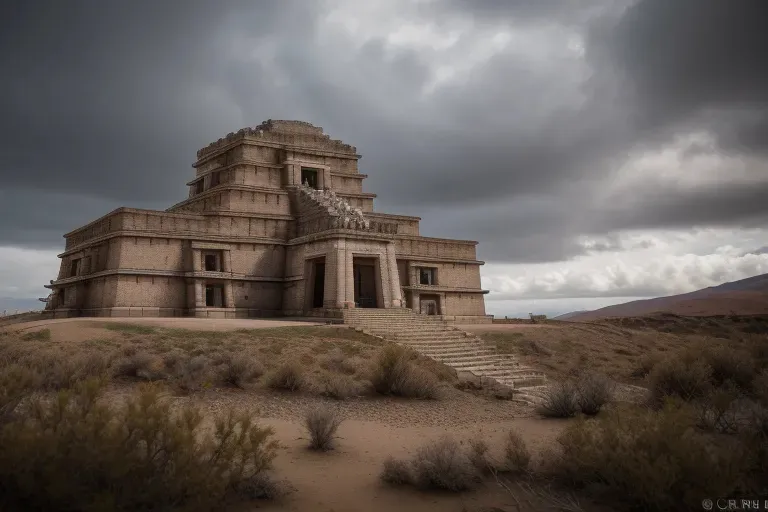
x=139, y=312
x=459, y=319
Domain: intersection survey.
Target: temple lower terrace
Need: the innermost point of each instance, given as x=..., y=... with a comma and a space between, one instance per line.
x=276, y=224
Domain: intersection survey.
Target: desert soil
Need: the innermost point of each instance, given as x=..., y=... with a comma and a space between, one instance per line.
x=347, y=478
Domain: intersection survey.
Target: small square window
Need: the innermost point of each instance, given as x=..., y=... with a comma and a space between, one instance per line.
x=427, y=276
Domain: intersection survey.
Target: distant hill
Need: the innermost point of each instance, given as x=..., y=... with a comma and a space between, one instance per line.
x=745, y=297
x=568, y=316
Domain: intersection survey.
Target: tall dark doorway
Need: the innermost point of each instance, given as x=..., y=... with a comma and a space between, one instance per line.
x=364, y=272
x=309, y=176
x=319, y=286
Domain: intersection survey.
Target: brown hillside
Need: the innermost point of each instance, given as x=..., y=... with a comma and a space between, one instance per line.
x=745, y=297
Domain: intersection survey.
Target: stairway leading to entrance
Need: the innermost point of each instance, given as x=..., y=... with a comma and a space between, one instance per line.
x=433, y=337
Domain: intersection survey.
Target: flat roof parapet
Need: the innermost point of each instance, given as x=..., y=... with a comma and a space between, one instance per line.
x=298, y=133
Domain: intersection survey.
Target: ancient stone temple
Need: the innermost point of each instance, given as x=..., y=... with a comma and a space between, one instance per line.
x=276, y=223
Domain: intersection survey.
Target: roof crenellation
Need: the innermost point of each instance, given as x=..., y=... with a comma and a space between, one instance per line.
x=298, y=133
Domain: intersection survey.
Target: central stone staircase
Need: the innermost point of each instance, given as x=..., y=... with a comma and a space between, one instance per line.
x=433, y=337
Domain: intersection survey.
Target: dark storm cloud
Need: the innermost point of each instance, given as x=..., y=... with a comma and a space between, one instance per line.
x=105, y=103
x=694, y=57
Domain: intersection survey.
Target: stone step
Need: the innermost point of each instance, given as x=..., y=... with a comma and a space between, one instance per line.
x=429, y=337
x=445, y=345
x=458, y=352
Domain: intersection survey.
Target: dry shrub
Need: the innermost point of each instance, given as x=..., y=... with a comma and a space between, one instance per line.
x=237, y=371
x=41, y=335
x=730, y=365
x=559, y=400
x=685, y=376
x=478, y=454
x=58, y=372
x=443, y=464
x=321, y=424
x=395, y=374
x=140, y=365
x=396, y=472
x=646, y=364
x=338, y=386
x=144, y=456
x=289, y=376
x=517, y=458
x=16, y=382
x=191, y=373
x=654, y=460
x=593, y=391
x=720, y=411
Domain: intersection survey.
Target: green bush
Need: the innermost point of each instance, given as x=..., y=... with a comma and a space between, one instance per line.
x=394, y=373
x=75, y=453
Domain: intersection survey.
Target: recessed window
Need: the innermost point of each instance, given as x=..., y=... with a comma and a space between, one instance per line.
x=74, y=267
x=212, y=262
x=427, y=276
x=309, y=177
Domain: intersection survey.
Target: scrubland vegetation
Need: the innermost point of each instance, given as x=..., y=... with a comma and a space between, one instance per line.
x=702, y=431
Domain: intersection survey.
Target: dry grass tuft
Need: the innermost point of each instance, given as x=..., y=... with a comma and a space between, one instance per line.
x=559, y=401
x=444, y=465
x=396, y=472
x=395, y=374
x=289, y=376
x=321, y=424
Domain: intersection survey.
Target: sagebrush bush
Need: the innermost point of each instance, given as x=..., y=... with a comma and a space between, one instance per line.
x=444, y=465
x=141, y=365
x=321, y=423
x=684, y=375
x=237, y=371
x=478, y=454
x=646, y=364
x=395, y=374
x=289, y=376
x=593, y=391
x=730, y=365
x=338, y=386
x=517, y=458
x=654, y=460
x=396, y=472
x=559, y=400
x=75, y=453
x=191, y=373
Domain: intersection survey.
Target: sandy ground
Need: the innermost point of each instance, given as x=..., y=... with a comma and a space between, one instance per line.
x=347, y=478
x=502, y=327
x=197, y=324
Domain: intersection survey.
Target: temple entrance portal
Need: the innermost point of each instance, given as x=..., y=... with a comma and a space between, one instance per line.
x=318, y=289
x=366, y=285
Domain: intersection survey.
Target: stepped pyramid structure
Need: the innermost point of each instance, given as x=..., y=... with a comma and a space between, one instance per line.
x=276, y=224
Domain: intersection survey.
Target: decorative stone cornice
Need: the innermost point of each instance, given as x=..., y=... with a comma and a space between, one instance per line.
x=283, y=132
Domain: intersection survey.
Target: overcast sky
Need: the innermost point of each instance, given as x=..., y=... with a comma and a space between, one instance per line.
x=598, y=150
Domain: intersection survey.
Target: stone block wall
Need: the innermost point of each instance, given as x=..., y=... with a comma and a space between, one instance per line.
x=151, y=291
x=464, y=304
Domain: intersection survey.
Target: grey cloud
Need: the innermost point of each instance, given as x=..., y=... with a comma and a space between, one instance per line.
x=105, y=104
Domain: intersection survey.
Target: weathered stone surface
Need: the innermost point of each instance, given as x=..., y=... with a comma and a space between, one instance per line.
x=246, y=240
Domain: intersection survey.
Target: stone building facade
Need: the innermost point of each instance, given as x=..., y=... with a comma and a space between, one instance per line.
x=276, y=224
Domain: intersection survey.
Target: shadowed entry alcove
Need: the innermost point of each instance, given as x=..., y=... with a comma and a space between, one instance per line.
x=315, y=290
x=367, y=283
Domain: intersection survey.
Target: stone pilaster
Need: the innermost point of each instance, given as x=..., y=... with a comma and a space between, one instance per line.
x=339, y=269
x=349, y=280
x=199, y=298
x=394, y=277
x=229, y=295
x=226, y=261
x=197, y=260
